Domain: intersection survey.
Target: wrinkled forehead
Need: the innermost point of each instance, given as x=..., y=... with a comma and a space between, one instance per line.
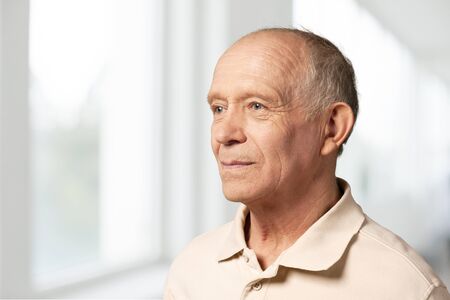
x=270, y=61
x=279, y=53
x=262, y=64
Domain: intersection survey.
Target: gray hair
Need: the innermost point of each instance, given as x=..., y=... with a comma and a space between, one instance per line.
x=328, y=75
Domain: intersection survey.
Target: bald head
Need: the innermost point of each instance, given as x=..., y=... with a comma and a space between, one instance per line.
x=280, y=55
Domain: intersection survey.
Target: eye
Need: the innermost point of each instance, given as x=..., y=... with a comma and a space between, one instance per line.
x=217, y=109
x=257, y=106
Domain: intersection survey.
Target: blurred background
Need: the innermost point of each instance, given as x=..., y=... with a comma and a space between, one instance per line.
x=106, y=171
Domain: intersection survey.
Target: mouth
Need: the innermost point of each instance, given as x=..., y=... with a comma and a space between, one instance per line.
x=235, y=164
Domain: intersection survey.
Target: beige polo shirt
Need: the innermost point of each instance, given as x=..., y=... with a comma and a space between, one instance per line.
x=343, y=255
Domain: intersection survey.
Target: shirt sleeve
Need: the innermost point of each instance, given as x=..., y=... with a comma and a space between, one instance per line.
x=439, y=293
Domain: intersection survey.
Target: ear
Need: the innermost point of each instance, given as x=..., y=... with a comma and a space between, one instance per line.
x=338, y=125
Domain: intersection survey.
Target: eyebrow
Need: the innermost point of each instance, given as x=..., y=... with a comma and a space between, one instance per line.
x=244, y=95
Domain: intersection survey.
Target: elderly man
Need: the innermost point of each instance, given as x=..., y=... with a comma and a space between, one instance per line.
x=284, y=102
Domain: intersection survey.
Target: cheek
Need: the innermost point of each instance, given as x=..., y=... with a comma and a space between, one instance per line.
x=272, y=144
x=304, y=146
x=294, y=147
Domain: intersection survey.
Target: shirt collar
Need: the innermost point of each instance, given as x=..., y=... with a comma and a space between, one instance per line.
x=321, y=246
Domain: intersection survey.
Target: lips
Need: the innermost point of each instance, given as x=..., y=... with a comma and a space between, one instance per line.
x=236, y=164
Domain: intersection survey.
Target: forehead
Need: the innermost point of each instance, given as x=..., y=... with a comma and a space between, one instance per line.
x=256, y=65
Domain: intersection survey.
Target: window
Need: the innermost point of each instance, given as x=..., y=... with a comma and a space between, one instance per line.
x=95, y=95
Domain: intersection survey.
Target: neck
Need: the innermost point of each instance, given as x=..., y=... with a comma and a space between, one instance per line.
x=272, y=227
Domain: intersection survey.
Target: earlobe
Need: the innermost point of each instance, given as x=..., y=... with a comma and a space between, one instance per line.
x=338, y=126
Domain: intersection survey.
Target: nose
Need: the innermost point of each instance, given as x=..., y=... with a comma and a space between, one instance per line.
x=229, y=130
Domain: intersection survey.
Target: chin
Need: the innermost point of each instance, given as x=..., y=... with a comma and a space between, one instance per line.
x=231, y=194
x=239, y=192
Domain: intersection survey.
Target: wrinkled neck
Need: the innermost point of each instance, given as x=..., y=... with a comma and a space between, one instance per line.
x=273, y=228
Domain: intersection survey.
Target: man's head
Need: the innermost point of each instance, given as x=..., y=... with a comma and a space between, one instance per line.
x=284, y=103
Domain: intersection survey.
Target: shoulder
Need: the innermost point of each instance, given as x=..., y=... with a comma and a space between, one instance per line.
x=398, y=260
x=207, y=243
x=197, y=258
x=201, y=250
